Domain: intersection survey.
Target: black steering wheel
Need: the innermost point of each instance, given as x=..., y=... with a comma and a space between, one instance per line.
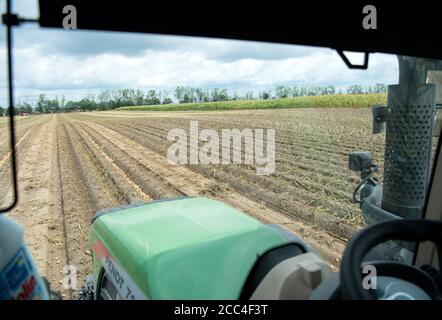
x=351, y=277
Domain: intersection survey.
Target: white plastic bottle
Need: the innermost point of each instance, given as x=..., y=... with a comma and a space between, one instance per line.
x=19, y=278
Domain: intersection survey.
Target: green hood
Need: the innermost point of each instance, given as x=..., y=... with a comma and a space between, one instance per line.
x=190, y=248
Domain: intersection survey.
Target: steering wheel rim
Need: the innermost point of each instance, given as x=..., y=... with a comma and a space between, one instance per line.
x=414, y=230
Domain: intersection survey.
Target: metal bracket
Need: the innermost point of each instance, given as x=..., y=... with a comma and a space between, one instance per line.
x=379, y=118
x=350, y=65
x=12, y=19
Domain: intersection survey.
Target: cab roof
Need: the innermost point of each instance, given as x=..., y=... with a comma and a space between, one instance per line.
x=401, y=29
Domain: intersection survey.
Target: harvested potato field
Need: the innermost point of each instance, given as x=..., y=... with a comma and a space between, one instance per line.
x=71, y=165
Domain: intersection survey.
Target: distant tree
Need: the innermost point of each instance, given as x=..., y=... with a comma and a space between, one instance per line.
x=355, y=89
x=86, y=104
x=295, y=91
x=53, y=106
x=62, y=102
x=152, y=98
x=107, y=100
x=249, y=95
x=180, y=92
x=126, y=97
x=217, y=94
x=200, y=94
x=2, y=111
x=23, y=107
x=302, y=91
x=104, y=100
x=138, y=98
x=167, y=100
x=192, y=94
x=314, y=91
x=328, y=90
x=164, y=97
x=214, y=94
x=380, y=88
x=42, y=104
x=69, y=106
x=282, y=92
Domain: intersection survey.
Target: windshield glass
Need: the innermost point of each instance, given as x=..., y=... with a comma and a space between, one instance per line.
x=286, y=134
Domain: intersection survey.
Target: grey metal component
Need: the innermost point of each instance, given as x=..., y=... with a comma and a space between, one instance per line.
x=363, y=161
x=360, y=160
x=293, y=279
x=409, y=138
x=373, y=214
x=328, y=289
x=379, y=118
x=371, y=195
x=409, y=119
x=370, y=206
x=388, y=288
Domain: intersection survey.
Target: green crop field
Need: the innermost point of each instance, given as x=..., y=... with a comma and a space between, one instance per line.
x=332, y=101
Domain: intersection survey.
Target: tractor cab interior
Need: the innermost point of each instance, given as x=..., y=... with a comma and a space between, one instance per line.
x=398, y=255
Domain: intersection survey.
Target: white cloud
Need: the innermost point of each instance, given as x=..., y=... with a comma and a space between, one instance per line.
x=74, y=63
x=165, y=70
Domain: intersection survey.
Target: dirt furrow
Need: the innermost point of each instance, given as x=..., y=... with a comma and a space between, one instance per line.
x=113, y=185
x=77, y=206
x=312, y=200
x=320, y=167
x=305, y=170
x=287, y=146
x=195, y=184
x=286, y=138
x=148, y=184
x=23, y=143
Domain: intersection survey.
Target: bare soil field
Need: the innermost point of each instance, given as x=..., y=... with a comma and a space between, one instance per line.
x=71, y=165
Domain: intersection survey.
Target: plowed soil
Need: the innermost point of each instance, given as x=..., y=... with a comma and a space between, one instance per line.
x=71, y=165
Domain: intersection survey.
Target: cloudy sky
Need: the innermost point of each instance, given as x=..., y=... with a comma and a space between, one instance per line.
x=76, y=62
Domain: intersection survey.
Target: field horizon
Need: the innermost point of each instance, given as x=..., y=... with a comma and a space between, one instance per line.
x=325, y=101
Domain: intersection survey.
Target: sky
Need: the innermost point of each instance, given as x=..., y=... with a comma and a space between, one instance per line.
x=74, y=62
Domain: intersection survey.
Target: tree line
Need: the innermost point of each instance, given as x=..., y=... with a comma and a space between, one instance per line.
x=112, y=99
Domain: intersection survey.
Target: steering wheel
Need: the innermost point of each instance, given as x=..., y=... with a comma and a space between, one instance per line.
x=351, y=277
